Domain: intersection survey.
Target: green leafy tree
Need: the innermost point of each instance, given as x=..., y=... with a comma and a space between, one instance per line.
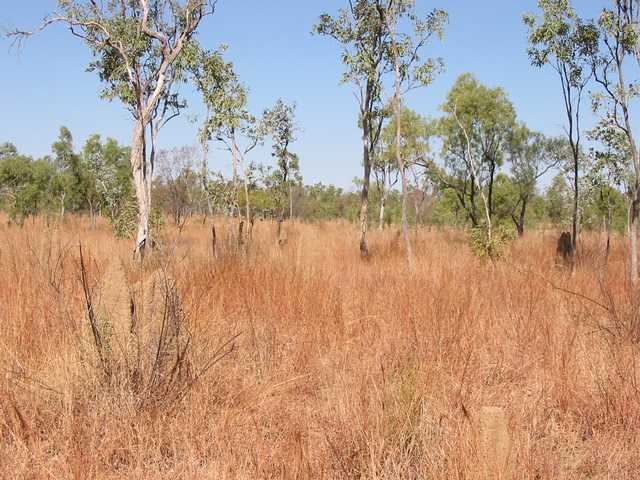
x=8, y=149
x=531, y=155
x=609, y=44
x=410, y=72
x=139, y=48
x=25, y=185
x=558, y=200
x=362, y=32
x=557, y=40
x=475, y=132
x=70, y=182
x=215, y=80
x=279, y=122
x=240, y=132
x=416, y=132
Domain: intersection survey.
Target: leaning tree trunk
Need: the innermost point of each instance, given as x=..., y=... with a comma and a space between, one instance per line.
x=140, y=179
x=62, y=199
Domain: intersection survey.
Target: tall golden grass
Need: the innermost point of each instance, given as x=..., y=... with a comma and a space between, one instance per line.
x=303, y=361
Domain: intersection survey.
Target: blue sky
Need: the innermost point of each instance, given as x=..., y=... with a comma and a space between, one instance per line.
x=46, y=85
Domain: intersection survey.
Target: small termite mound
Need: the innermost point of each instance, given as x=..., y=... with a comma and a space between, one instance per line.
x=564, y=249
x=495, y=442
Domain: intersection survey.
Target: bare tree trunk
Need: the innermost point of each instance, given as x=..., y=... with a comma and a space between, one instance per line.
x=364, y=200
x=522, y=217
x=383, y=202
x=247, y=210
x=393, y=26
x=290, y=202
x=204, y=174
x=62, y=197
x=401, y=166
x=234, y=174
x=633, y=242
x=574, y=225
x=93, y=213
x=139, y=172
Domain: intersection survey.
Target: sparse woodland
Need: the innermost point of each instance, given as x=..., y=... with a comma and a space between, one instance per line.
x=469, y=309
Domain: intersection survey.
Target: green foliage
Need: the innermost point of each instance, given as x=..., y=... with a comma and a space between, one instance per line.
x=558, y=200
x=125, y=222
x=416, y=131
x=25, y=186
x=492, y=247
x=558, y=38
x=476, y=132
x=279, y=123
x=124, y=225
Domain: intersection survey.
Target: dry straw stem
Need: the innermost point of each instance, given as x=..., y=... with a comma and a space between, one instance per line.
x=344, y=369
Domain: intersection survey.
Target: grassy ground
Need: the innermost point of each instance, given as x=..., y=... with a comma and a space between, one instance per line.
x=302, y=361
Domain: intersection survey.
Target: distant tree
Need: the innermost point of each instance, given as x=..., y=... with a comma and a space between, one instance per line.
x=215, y=80
x=25, y=185
x=179, y=182
x=108, y=176
x=556, y=39
x=385, y=170
x=475, y=133
x=362, y=32
x=608, y=45
x=410, y=72
x=279, y=123
x=414, y=146
x=240, y=132
x=531, y=155
x=138, y=47
x=69, y=182
x=8, y=149
x=558, y=200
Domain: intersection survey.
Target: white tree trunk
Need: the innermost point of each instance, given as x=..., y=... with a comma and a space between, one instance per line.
x=140, y=182
x=383, y=202
x=633, y=243
x=393, y=25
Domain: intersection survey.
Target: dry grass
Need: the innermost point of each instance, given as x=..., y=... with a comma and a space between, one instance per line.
x=343, y=368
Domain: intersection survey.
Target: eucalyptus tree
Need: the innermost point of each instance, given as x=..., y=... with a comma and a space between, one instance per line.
x=230, y=123
x=212, y=77
x=70, y=181
x=556, y=39
x=8, y=149
x=531, y=155
x=362, y=32
x=25, y=185
x=475, y=133
x=613, y=50
x=279, y=123
x=410, y=72
x=106, y=167
x=385, y=171
x=138, y=47
x=413, y=147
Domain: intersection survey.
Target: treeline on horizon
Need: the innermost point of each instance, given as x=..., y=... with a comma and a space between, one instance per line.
x=95, y=180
